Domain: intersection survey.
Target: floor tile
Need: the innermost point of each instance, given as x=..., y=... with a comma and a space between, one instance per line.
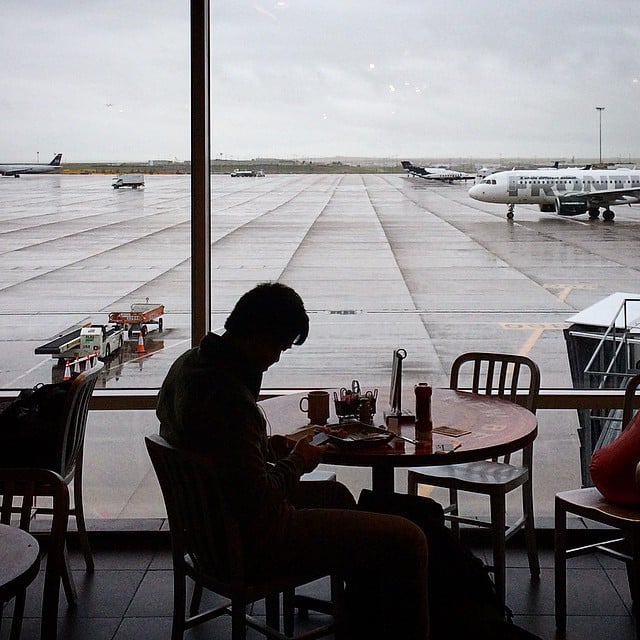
x=130, y=596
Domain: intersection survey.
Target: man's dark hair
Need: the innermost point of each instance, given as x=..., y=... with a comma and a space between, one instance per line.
x=271, y=309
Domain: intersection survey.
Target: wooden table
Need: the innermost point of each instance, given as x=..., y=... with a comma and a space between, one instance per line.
x=497, y=427
x=19, y=564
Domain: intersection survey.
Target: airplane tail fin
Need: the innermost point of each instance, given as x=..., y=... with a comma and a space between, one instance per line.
x=415, y=170
x=56, y=161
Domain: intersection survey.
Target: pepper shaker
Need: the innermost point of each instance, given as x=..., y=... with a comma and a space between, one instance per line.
x=423, y=407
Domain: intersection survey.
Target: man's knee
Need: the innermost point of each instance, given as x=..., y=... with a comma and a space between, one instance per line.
x=413, y=537
x=322, y=494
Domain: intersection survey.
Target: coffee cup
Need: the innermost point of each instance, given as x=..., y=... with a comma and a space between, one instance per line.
x=316, y=405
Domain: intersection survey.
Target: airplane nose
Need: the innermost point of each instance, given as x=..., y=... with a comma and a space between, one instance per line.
x=477, y=192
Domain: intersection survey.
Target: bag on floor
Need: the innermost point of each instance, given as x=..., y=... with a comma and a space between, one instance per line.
x=30, y=426
x=462, y=598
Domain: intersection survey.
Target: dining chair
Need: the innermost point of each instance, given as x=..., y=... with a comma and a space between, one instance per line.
x=67, y=457
x=19, y=488
x=589, y=503
x=291, y=601
x=68, y=461
x=504, y=376
x=206, y=548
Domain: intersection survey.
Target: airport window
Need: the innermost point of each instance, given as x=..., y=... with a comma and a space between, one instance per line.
x=383, y=260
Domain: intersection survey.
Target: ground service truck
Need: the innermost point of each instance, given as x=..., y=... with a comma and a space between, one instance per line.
x=94, y=339
x=142, y=318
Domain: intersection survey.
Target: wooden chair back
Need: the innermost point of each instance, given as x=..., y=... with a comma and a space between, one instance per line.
x=503, y=375
x=201, y=528
x=497, y=374
x=72, y=432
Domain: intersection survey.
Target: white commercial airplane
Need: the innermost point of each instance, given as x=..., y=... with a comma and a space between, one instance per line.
x=568, y=192
x=436, y=173
x=16, y=169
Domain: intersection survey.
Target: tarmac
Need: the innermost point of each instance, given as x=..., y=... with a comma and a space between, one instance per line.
x=382, y=262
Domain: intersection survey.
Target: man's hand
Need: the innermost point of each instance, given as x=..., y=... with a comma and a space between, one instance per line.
x=311, y=454
x=281, y=446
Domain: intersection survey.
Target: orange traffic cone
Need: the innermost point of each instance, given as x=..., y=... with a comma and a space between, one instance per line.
x=76, y=365
x=140, y=347
x=67, y=371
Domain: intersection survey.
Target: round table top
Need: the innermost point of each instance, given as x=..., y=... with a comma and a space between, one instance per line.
x=19, y=560
x=496, y=427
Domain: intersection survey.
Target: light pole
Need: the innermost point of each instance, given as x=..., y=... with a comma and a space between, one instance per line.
x=600, y=110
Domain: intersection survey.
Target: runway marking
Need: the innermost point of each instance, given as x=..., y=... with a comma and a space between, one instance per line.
x=15, y=381
x=565, y=289
x=536, y=328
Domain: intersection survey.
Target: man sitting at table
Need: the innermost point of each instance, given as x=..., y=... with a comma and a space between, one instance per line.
x=208, y=403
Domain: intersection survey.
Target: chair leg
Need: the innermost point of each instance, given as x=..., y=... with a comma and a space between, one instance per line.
x=238, y=622
x=530, y=529
x=18, y=614
x=51, y=594
x=560, y=567
x=179, y=605
x=412, y=483
x=78, y=512
x=68, y=583
x=453, y=511
x=288, y=611
x=272, y=610
x=196, y=599
x=633, y=569
x=337, y=598
x=498, y=522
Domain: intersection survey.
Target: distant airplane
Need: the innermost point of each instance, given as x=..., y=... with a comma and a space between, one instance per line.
x=436, y=173
x=568, y=192
x=16, y=169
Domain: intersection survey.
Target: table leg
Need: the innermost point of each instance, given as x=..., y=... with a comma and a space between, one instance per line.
x=383, y=479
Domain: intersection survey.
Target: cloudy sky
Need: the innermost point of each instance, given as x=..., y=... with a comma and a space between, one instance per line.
x=109, y=80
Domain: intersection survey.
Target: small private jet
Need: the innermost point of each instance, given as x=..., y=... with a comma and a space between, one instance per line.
x=436, y=173
x=567, y=192
x=16, y=170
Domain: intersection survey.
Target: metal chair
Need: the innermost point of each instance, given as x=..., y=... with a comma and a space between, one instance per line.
x=588, y=503
x=206, y=547
x=503, y=376
x=19, y=489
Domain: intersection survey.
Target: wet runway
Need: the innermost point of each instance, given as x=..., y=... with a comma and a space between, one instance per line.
x=382, y=262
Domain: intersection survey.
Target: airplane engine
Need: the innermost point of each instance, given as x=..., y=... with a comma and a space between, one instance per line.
x=548, y=208
x=571, y=205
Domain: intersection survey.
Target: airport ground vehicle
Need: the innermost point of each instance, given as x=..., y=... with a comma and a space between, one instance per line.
x=133, y=180
x=247, y=173
x=141, y=319
x=99, y=339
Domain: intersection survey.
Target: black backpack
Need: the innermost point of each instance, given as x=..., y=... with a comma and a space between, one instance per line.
x=462, y=598
x=30, y=426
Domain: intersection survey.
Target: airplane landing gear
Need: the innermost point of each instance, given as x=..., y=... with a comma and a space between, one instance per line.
x=607, y=214
x=594, y=213
x=510, y=209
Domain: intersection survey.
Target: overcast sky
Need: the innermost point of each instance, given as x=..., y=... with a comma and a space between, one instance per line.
x=109, y=80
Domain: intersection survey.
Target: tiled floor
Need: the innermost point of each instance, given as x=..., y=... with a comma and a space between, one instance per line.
x=129, y=596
